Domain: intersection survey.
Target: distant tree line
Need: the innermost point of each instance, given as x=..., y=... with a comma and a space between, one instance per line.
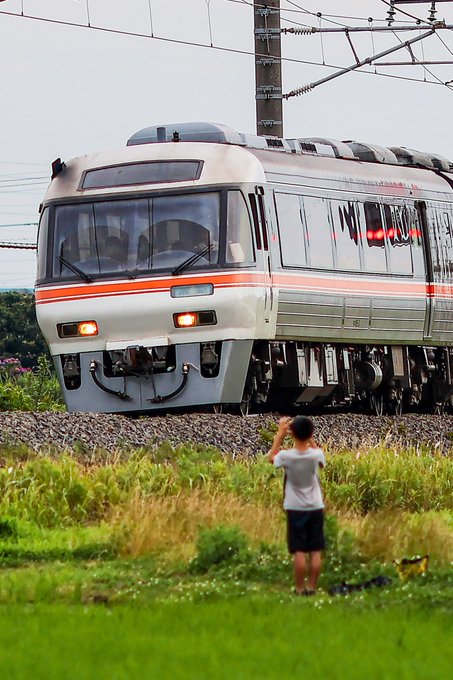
x=20, y=336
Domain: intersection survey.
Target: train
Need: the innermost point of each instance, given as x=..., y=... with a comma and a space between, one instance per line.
x=202, y=268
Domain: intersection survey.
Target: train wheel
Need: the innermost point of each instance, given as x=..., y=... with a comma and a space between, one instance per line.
x=439, y=408
x=377, y=403
x=217, y=408
x=244, y=406
x=395, y=405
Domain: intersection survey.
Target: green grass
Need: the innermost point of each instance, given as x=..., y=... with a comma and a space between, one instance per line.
x=104, y=572
x=255, y=637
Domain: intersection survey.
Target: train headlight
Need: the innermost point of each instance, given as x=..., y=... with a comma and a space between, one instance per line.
x=77, y=329
x=191, y=319
x=87, y=328
x=186, y=320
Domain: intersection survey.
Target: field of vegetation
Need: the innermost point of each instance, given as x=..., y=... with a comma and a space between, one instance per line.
x=172, y=562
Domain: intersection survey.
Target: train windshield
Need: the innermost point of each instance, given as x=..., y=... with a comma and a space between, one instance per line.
x=136, y=235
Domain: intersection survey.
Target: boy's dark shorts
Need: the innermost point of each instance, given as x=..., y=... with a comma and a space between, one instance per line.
x=305, y=530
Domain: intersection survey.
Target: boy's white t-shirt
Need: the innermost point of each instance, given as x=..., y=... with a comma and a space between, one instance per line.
x=302, y=488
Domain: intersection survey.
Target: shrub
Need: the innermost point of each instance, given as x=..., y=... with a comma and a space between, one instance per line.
x=217, y=546
x=9, y=529
x=29, y=390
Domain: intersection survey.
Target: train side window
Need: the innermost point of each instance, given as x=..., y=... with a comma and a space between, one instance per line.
x=346, y=234
x=263, y=221
x=291, y=230
x=375, y=238
x=319, y=233
x=256, y=224
x=239, y=247
x=443, y=251
x=416, y=236
x=398, y=229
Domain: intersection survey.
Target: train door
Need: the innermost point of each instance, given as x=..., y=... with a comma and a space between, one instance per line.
x=262, y=247
x=427, y=248
x=440, y=222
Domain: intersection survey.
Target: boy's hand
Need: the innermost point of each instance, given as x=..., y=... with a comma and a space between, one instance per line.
x=283, y=425
x=282, y=431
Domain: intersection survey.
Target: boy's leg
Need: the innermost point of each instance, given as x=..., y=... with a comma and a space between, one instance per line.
x=299, y=571
x=315, y=569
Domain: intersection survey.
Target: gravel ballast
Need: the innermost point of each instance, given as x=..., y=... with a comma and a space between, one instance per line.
x=230, y=434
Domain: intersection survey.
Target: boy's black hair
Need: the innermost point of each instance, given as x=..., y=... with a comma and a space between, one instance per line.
x=302, y=428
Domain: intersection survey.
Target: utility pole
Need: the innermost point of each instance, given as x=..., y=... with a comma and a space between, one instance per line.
x=268, y=68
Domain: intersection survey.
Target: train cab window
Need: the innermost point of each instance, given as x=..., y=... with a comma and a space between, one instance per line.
x=74, y=242
x=162, y=233
x=291, y=230
x=347, y=234
x=398, y=231
x=180, y=227
x=114, y=221
x=239, y=243
x=319, y=233
x=43, y=239
x=374, y=242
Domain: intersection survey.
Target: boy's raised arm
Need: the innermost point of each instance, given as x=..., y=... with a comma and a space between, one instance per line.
x=279, y=437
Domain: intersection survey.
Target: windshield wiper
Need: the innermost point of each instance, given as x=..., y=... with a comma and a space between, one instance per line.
x=192, y=259
x=75, y=270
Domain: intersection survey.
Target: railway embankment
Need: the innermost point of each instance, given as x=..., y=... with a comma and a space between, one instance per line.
x=87, y=433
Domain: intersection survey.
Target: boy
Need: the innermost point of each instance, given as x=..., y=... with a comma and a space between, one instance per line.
x=303, y=498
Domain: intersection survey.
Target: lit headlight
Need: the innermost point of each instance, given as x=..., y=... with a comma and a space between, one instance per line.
x=77, y=329
x=191, y=319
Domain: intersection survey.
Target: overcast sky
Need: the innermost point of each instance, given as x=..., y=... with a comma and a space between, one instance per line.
x=67, y=90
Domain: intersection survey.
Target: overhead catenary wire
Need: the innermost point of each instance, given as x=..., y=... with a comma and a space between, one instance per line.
x=218, y=48
x=423, y=65
x=250, y=3
x=286, y=10
x=402, y=11
x=304, y=89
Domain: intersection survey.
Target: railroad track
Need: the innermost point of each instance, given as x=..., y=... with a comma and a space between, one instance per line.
x=87, y=433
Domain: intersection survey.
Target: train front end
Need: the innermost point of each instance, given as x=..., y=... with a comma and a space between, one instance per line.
x=151, y=286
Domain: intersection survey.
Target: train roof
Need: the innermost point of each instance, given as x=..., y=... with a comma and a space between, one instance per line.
x=319, y=146
x=230, y=157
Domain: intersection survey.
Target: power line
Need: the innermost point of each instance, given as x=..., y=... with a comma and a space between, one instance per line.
x=318, y=15
x=365, y=62
x=433, y=75
x=189, y=43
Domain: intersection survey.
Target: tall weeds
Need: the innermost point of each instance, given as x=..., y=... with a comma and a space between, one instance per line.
x=30, y=390
x=394, y=503
x=381, y=479
x=54, y=491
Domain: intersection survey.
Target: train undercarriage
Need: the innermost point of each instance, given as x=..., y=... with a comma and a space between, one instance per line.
x=285, y=376
x=375, y=379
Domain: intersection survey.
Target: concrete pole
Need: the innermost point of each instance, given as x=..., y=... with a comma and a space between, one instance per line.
x=268, y=68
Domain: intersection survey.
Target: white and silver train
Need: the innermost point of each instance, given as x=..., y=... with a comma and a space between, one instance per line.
x=200, y=267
